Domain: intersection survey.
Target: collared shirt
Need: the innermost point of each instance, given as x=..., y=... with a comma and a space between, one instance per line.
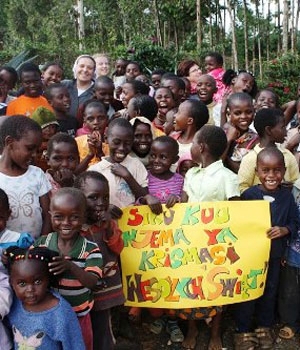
x=213, y=183
x=247, y=175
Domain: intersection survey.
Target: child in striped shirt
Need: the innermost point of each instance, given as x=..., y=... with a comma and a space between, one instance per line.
x=79, y=264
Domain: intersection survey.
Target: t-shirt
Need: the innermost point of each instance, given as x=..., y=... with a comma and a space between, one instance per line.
x=213, y=183
x=247, y=175
x=83, y=149
x=119, y=191
x=27, y=105
x=283, y=213
x=54, y=329
x=109, y=290
x=87, y=256
x=163, y=188
x=68, y=125
x=24, y=194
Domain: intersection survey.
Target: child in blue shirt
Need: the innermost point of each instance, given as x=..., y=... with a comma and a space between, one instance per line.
x=270, y=168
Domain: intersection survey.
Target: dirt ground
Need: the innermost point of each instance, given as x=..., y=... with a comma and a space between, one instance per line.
x=143, y=339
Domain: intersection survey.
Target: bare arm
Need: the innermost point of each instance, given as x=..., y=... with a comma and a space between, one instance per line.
x=44, y=203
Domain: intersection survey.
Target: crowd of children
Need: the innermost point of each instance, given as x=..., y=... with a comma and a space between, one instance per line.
x=75, y=152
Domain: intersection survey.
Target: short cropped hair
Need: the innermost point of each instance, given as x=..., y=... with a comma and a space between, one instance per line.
x=214, y=137
x=267, y=117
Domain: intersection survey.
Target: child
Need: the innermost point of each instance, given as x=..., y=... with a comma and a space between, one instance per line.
x=101, y=229
x=213, y=63
x=63, y=160
x=52, y=73
x=79, y=262
x=240, y=138
x=8, y=237
x=8, y=80
x=269, y=124
x=39, y=317
x=191, y=116
x=288, y=300
x=206, y=88
x=293, y=136
x=142, y=106
x=118, y=76
x=26, y=185
x=126, y=175
x=91, y=146
x=165, y=187
x=165, y=102
x=133, y=69
x=210, y=181
x=143, y=134
x=130, y=90
x=5, y=304
x=47, y=121
x=59, y=98
x=266, y=98
x=156, y=76
x=104, y=92
x=185, y=163
x=241, y=81
x=176, y=85
x=26, y=104
x=270, y=170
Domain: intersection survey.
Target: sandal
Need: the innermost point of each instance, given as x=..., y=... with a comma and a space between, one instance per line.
x=245, y=341
x=158, y=325
x=176, y=336
x=286, y=332
x=265, y=337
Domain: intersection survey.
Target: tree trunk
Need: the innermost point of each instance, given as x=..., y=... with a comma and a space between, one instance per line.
x=246, y=35
x=231, y=12
x=258, y=39
x=199, y=34
x=80, y=24
x=158, y=26
x=296, y=23
x=285, y=37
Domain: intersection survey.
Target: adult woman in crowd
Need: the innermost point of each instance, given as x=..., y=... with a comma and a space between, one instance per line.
x=102, y=64
x=190, y=69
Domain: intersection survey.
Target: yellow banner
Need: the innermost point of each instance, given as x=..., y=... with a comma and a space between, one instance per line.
x=195, y=254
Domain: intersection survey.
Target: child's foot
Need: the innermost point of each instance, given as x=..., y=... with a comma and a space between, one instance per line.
x=134, y=315
x=190, y=340
x=215, y=343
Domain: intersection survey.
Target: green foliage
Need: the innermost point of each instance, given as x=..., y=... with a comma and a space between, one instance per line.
x=282, y=75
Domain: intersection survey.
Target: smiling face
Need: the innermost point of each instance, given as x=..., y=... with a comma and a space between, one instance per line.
x=164, y=100
x=22, y=152
x=67, y=216
x=85, y=69
x=97, y=195
x=95, y=118
x=266, y=99
x=104, y=92
x=102, y=65
x=63, y=156
x=142, y=139
x=194, y=73
x=270, y=171
x=206, y=87
x=60, y=99
x=120, y=140
x=32, y=84
x=30, y=280
x=127, y=93
x=210, y=63
x=162, y=156
x=53, y=74
x=241, y=114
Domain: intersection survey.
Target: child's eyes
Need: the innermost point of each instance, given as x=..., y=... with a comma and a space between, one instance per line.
x=93, y=198
x=38, y=282
x=21, y=284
